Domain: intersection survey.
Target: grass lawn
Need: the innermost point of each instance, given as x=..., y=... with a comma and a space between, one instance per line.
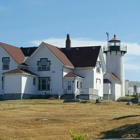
x=52, y=120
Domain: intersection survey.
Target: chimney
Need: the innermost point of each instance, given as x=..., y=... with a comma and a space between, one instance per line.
x=68, y=41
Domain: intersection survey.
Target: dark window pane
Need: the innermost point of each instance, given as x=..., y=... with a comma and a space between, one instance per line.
x=43, y=64
x=44, y=87
x=43, y=81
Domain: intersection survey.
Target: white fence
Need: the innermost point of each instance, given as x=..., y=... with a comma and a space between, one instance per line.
x=88, y=91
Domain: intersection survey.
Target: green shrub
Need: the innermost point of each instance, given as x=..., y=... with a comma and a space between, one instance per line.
x=77, y=136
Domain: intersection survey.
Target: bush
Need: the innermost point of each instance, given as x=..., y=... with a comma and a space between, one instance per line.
x=77, y=136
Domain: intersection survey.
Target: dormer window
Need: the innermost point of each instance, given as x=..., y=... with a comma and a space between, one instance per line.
x=5, y=63
x=98, y=66
x=44, y=64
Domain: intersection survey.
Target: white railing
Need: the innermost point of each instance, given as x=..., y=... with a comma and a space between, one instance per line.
x=122, y=48
x=60, y=93
x=88, y=91
x=76, y=93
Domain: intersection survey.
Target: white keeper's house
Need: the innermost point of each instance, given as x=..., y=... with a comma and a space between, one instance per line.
x=49, y=70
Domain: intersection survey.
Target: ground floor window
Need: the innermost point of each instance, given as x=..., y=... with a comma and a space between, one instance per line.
x=81, y=85
x=44, y=83
x=69, y=85
x=2, y=82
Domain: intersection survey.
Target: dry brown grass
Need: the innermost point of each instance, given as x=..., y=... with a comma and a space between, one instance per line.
x=52, y=120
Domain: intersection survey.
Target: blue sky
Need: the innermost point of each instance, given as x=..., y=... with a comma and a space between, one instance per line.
x=29, y=22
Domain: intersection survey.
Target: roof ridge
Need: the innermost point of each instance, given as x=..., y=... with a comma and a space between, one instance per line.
x=59, y=54
x=14, y=52
x=114, y=76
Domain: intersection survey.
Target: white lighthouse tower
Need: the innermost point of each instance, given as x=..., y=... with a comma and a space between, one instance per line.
x=115, y=61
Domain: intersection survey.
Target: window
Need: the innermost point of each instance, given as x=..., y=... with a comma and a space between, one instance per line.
x=5, y=63
x=69, y=85
x=77, y=84
x=80, y=84
x=2, y=82
x=98, y=66
x=135, y=88
x=34, y=81
x=98, y=70
x=44, y=64
x=44, y=83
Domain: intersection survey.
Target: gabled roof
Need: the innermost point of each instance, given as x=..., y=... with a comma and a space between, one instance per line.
x=60, y=55
x=16, y=71
x=70, y=74
x=27, y=51
x=82, y=56
x=106, y=81
x=114, y=77
x=14, y=52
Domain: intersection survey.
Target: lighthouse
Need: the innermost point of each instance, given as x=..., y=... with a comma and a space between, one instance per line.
x=114, y=52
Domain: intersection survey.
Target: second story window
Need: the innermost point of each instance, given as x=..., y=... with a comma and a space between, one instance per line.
x=5, y=63
x=44, y=64
x=98, y=66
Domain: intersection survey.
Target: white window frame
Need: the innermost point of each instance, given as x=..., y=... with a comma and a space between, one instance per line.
x=5, y=63
x=44, y=64
x=98, y=66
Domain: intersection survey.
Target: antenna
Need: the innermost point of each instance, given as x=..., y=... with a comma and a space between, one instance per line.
x=107, y=36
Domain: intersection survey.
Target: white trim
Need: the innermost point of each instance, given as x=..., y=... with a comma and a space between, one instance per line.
x=103, y=65
x=66, y=66
x=84, y=68
x=34, y=53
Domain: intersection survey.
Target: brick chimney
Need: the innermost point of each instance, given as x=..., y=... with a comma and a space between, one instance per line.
x=68, y=41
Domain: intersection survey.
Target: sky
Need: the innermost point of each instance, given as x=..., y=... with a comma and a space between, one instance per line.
x=27, y=23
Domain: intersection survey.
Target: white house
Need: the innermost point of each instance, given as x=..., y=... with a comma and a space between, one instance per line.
x=49, y=70
x=114, y=84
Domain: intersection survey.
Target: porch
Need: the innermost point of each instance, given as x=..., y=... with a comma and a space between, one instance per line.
x=83, y=93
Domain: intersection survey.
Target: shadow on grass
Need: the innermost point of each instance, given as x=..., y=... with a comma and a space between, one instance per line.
x=126, y=131
x=124, y=117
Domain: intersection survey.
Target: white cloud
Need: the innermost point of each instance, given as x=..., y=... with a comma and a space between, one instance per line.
x=132, y=67
x=133, y=49
x=75, y=42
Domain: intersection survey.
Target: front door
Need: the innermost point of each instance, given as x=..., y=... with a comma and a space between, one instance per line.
x=69, y=87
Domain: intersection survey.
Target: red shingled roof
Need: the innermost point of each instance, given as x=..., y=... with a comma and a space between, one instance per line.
x=114, y=77
x=60, y=55
x=14, y=52
x=19, y=71
x=114, y=39
x=70, y=74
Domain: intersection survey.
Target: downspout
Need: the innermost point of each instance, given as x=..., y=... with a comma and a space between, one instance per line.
x=21, y=87
x=62, y=79
x=3, y=85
